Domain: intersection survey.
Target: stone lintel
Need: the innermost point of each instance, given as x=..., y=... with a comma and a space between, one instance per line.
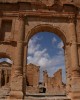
x=39, y=14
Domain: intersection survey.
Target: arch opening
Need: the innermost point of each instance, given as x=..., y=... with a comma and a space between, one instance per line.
x=42, y=85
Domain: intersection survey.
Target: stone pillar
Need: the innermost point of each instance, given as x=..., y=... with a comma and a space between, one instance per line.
x=75, y=83
x=68, y=68
x=17, y=68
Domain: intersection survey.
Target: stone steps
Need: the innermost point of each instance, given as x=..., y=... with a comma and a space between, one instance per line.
x=45, y=97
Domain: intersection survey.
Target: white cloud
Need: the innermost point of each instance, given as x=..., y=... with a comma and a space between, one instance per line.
x=60, y=45
x=41, y=57
x=33, y=46
x=54, y=40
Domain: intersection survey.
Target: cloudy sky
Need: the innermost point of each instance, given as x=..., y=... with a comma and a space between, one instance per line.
x=45, y=50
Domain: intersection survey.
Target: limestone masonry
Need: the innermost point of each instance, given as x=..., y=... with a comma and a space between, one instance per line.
x=22, y=19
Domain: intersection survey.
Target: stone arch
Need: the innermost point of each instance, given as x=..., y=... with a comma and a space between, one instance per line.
x=5, y=55
x=49, y=28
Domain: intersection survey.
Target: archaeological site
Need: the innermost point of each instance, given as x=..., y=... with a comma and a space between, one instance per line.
x=19, y=21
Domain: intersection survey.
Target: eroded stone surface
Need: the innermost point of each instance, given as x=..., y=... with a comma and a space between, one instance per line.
x=20, y=20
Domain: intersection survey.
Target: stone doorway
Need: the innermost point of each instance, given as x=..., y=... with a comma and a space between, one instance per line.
x=40, y=79
x=58, y=32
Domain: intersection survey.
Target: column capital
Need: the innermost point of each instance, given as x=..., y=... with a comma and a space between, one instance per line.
x=21, y=16
x=71, y=19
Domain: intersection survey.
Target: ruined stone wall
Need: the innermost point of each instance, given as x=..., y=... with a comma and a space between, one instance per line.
x=32, y=77
x=54, y=84
x=58, y=77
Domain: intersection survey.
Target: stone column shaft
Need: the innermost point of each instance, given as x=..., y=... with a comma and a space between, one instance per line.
x=74, y=51
x=75, y=73
x=17, y=68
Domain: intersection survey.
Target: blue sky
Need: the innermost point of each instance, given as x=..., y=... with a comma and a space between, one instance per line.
x=45, y=49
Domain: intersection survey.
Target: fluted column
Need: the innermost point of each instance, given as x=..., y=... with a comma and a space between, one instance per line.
x=75, y=69
x=17, y=68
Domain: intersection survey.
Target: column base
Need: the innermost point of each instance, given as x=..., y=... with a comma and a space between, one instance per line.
x=75, y=95
x=16, y=95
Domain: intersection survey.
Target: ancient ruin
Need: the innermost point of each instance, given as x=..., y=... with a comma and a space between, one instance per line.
x=21, y=19
x=54, y=85
x=49, y=85
x=32, y=78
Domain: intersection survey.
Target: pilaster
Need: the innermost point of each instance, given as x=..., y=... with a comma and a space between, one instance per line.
x=17, y=68
x=75, y=72
x=68, y=68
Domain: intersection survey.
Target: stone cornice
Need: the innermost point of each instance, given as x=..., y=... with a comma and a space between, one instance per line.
x=39, y=14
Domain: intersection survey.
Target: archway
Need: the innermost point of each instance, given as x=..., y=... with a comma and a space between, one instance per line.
x=45, y=49
x=49, y=28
